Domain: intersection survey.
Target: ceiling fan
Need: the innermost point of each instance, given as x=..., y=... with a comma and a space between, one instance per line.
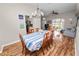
x=55, y=13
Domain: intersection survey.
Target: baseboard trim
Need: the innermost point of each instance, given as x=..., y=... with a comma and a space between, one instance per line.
x=2, y=47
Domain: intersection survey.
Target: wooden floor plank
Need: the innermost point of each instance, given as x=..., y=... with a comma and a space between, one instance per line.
x=65, y=47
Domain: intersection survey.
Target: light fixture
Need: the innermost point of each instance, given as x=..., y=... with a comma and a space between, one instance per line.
x=44, y=18
x=38, y=12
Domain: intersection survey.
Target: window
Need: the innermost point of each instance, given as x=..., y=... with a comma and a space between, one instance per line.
x=58, y=23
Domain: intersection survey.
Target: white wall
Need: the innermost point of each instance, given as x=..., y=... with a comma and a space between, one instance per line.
x=77, y=39
x=77, y=33
x=9, y=22
x=77, y=8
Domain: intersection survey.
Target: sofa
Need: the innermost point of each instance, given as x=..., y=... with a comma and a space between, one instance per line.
x=69, y=32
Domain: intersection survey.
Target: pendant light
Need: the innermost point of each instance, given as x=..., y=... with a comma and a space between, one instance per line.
x=38, y=12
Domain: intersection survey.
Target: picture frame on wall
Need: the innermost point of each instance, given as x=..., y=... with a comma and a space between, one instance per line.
x=21, y=17
x=21, y=26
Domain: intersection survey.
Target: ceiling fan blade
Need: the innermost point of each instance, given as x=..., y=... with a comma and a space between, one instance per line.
x=55, y=12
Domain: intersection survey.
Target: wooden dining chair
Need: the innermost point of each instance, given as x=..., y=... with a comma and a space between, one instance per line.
x=25, y=51
x=46, y=42
x=37, y=29
x=44, y=45
x=49, y=37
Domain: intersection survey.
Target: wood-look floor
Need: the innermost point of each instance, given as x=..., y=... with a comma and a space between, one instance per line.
x=58, y=48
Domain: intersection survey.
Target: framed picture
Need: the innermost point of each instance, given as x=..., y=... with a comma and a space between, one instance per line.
x=21, y=26
x=21, y=17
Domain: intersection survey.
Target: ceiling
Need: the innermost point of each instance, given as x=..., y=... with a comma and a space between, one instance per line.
x=58, y=7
